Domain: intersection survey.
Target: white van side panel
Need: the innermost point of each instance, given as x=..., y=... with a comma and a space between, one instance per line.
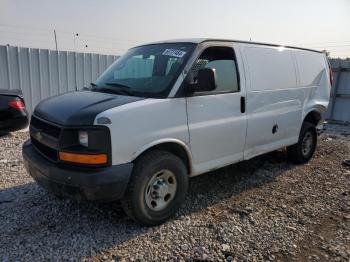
x=284, y=86
x=313, y=76
x=270, y=69
x=273, y=99
x=140, y=125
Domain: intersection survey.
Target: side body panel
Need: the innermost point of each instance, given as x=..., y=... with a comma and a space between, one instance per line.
x=274, y=103
x=278, y=97
x=217, y=126
x=139, y=125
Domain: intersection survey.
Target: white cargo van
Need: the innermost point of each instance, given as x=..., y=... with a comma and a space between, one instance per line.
x=171, y=110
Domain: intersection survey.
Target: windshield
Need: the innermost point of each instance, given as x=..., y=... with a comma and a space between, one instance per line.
x=148, y=71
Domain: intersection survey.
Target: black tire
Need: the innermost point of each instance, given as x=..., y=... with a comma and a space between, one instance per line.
x=134, y=202
x=296, y=153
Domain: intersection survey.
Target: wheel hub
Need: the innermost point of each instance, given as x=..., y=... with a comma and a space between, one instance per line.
x=307, y=143
x=160, y=190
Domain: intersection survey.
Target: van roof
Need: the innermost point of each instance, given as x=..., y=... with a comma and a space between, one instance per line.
x=201, y=40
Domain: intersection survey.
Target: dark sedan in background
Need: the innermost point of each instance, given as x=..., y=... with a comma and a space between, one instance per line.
x=13, y=114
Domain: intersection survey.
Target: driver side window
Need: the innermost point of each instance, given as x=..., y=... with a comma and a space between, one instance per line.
x=222, y=59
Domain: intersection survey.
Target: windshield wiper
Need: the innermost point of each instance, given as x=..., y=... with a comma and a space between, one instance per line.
x=117, y=85
x=116, y=89
x=122, y=89
x=90, y=88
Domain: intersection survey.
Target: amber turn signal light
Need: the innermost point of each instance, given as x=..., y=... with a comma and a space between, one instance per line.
x=94, y=159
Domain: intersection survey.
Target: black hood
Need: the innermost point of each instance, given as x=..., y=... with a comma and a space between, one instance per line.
x=79, y=108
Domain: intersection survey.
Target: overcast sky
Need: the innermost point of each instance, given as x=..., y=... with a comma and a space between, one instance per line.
x=113, y=26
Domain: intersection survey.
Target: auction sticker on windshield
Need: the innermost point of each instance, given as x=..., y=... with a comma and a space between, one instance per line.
x=174, y=52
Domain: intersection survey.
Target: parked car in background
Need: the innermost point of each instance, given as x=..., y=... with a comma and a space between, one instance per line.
x=168, y=111
x=13, y=113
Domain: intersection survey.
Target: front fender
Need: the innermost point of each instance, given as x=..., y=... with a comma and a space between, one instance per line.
x=159, y=142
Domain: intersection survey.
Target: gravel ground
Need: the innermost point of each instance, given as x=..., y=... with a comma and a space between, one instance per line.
x=262, y=209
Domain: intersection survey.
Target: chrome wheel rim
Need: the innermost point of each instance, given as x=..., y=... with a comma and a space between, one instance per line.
x=307, y=143
x=160, y=190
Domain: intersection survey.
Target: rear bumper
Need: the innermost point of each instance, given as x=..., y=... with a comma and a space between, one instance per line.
x=14, y=124
x=102, y=184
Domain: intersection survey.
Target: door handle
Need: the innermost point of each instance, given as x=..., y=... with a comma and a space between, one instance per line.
x=242, y=104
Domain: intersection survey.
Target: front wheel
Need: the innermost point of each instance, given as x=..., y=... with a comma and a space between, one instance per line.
x=303, y=151
x=157, y=188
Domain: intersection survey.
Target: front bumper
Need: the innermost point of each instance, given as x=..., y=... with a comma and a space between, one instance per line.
x=102, y=184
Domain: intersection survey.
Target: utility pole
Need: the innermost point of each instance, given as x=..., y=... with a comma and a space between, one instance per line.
x=75, y=35
x=76, y=65
x=54, y=32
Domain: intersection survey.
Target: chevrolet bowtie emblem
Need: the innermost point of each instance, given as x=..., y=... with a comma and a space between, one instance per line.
x=38, y=135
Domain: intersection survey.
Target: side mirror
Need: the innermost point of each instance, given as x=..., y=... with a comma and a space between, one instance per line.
x=206, y=80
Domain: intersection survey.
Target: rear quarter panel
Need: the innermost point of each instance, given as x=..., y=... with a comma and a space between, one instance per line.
x=314, y=76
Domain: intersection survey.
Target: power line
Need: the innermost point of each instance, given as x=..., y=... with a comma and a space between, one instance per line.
x=89, y=50
x=85, y=41
x=66, y=37
x=341, y=51
x=23, y=39
x=71, y=33
x=320, y=43
x=324, y=46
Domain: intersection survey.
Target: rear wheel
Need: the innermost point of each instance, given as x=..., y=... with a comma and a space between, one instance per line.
x=157, y=188
x=303, y=151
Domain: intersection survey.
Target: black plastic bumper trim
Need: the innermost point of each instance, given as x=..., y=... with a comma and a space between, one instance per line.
x=103, y=184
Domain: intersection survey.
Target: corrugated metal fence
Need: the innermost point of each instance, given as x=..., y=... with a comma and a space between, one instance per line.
x=339, y=106
x=42, y=73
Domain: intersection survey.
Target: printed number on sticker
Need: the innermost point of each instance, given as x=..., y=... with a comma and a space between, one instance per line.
x=174, y=52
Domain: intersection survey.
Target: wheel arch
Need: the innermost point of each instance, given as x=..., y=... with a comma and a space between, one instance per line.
x=175, y=146
x=313, y=116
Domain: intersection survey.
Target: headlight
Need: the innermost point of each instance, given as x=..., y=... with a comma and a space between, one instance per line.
x=89, y=145
x=83, y=138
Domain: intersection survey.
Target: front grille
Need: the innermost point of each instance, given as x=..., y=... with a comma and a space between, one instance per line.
x=47, y=141
x=48, y=152
x=47, y=128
